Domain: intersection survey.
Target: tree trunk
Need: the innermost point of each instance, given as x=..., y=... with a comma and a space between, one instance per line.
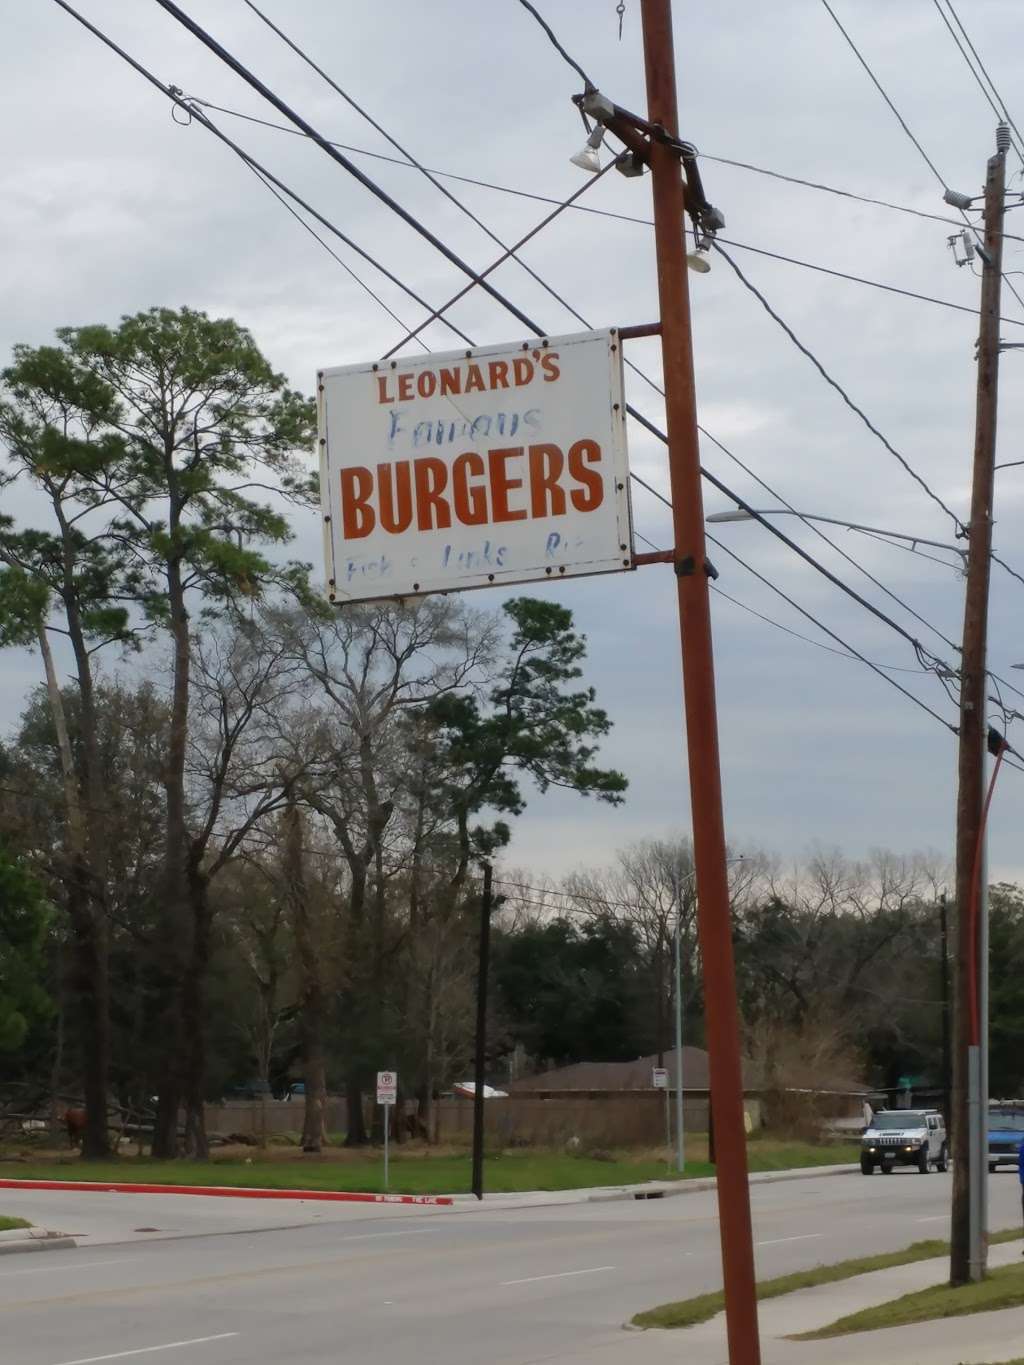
x=86, y=912
x=91, y=994
x=312, y=996
x=356, y=1134
x=193, y=1018
x=174, y=948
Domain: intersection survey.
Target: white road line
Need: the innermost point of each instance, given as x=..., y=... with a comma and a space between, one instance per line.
x=935, y=1218
x=530, y=1279
x=804, y=1237
x=50, y=1269
x=147, y=1350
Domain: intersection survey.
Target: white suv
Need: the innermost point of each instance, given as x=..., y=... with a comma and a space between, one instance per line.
x=904, y=1137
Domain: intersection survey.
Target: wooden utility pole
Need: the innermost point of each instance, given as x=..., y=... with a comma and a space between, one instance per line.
x=692, y=572
x=968, y=1254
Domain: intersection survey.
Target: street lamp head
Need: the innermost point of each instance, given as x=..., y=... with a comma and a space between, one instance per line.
x=587, y=158
x=738, y=515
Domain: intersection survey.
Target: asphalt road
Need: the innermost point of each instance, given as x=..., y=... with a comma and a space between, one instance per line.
x=230, y=1281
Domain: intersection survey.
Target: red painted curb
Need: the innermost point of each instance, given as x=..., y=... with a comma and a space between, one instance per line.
x=227, y=1191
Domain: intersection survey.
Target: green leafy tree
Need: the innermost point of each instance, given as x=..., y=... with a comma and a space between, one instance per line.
x=23, y=925
x=1006, y=1009
x=173, y=420
x=537, y=722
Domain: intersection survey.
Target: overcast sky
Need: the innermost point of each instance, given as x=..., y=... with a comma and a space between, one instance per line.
x=109, y=207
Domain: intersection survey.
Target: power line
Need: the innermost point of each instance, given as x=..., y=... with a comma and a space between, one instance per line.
x=881, y=90
x=768, y=620
x=831, y=189
x=842, y=653
x=240, y=69
x=533, y=326
x=448, y=175
x=443, y=189
x=588, y=83
x=327, y=247
x=173, y=94
x=918, y=648
x=903, y=124
x=840, y=390
x=999, y=104
x=450, y=255
x=813, y=526
x=590, y=208
x=860, y=279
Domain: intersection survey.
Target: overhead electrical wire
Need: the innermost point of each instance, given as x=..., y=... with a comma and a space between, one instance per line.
x=842, y=653
x=433, y=173
x=906, y=128
x=876, y=668
x=510, y=252
x=998, y=105
x=241, y=70
x=590, y=208
x=961, y=529
x=412, y=161
x=553, y=39
x=173, y=94
x=452, y=256
x=834, y=383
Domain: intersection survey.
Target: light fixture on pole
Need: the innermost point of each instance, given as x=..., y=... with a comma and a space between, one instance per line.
x=753, y=513
x=697, y=258
x=587, y=158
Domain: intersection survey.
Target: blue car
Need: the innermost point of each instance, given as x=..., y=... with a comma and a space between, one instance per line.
x=1005, y=1134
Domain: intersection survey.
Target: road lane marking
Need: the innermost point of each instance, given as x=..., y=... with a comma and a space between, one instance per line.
x=148, y=1350
x=935, y=1218
x=49, y=1269
x=804, y=1237
x=532, y=1279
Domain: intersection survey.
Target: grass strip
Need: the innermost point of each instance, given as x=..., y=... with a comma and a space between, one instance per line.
x=703, y=1307
x=1003, y=1288
x=8, y=1224
x=504, y=1173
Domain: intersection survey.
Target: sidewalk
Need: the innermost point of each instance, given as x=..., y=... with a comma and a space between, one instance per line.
x=968, y=1340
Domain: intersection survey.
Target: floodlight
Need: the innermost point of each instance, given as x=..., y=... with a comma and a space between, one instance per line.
x=587, y=158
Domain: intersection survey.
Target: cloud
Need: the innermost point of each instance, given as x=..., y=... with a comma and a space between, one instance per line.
x=112, y=208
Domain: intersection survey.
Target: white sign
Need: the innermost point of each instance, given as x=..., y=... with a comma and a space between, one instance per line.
x=498, y=465
x=659, y=1078
x=387, y=1087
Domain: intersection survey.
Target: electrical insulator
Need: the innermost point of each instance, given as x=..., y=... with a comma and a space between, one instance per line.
x=1002, y=138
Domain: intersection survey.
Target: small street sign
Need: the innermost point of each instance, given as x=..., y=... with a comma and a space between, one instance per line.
x=659, y=1077
x=387, y=1087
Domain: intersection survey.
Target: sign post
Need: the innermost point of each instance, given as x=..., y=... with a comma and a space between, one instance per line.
x=476, y=468
x=387, y=1095
x=659, y=1079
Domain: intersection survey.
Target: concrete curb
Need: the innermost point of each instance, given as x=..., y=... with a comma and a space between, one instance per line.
x=38, y=1241
x=670, y=1189
x=460, y=1203
x=541, y=1199
x=224, y=1191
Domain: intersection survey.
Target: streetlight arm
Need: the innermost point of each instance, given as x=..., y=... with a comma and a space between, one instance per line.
x=741, y=515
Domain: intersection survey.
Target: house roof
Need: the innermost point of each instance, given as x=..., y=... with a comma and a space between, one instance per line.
x=634, y=1075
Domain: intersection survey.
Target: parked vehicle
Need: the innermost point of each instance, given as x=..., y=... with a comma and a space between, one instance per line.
x=1005, y=1133
x=904, y=1137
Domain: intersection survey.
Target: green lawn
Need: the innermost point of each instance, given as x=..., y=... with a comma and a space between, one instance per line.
x=703, y=1307
x=6, y=1224
x=419, y=1173
x=1004, y=1288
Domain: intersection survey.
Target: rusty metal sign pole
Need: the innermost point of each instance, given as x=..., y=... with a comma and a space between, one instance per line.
x=709, y=846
